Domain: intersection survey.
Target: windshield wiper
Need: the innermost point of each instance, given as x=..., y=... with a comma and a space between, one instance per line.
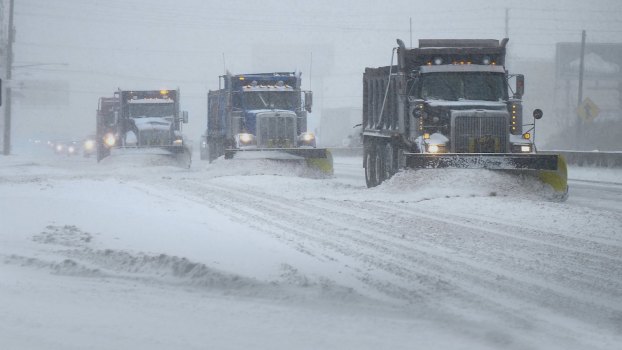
x=265, y=104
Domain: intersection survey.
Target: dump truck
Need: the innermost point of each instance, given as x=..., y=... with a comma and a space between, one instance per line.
x=450, y=104
x=142, y=122
x=262, y=116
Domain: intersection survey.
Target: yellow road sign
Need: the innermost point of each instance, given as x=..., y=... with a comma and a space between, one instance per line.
x=588, y=110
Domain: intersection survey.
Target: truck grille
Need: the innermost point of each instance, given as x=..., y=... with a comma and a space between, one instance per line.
x=155, y=138
x=276, y=130
x=480, y=132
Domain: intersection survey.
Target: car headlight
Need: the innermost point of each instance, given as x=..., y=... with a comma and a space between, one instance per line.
x=109, y=140
x=178, y=142
x=433, y=148
x=89, y=145
x=59, y=148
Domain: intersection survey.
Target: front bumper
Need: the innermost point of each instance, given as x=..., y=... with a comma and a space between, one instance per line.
x=494, y=161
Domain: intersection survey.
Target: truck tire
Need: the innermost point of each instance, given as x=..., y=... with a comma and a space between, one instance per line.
x=371, y=178
x=380, y=163
x=390, y=161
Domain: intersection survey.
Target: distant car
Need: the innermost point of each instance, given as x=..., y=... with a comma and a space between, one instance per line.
x=69, y=148
x=89, y=146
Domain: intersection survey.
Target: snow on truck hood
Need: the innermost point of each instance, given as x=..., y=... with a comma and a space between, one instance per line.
x=153, y=123
x=269, y=111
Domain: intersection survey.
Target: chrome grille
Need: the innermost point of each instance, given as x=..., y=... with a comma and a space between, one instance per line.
x=480, y=132
x=276, y=130
x=154, y=138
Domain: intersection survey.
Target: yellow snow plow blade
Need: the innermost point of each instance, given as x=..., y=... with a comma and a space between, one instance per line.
x=174, y=156
x=318, y=159
x=323, y=164
x=557, y=179
x=550, y=169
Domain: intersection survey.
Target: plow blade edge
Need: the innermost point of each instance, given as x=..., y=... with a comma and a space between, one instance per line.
x=550, y=169
x=316, y=158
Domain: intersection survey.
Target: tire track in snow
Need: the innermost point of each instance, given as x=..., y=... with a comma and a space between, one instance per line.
x=530, y=290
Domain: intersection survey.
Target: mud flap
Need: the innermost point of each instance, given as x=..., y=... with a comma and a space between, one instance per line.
x=322, y=164
x=557, y=179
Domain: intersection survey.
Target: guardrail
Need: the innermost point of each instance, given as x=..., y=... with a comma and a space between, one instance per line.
x=579, y=158
x=591, y=158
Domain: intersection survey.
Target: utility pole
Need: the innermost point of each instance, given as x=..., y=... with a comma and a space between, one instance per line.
x=6, y=149
x=580, y=98
x=411, y=32
x=507, y=23
x=581, y=68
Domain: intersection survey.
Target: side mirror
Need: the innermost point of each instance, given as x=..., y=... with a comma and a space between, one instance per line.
x=537, y=113
x=520, y=86
x=308, y=100
x=184, y=116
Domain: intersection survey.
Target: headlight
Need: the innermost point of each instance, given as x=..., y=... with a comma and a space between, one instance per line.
x=517, y=148
x=89, y=145
x=245, y=137
x=178, y=142
x=71, y=149
x=109, y=140
x=307, y=136
x=436, y=148
x=59, y=148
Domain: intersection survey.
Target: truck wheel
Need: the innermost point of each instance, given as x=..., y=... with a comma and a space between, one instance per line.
x=380, y=163
x=370, y=167
x=390, y=161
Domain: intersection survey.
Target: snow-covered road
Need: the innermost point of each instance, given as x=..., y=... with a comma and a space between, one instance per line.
x=239, y=254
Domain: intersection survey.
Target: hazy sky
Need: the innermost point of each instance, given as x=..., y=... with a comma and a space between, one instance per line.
x=84, y=49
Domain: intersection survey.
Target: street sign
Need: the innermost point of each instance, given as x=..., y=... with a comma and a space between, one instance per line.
x=588, y=110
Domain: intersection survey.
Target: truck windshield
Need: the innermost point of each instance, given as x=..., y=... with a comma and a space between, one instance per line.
x=270, y=100
x=457, y=86
x=138, y=110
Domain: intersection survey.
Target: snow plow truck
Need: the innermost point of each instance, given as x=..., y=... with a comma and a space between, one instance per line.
x=262, y=116
x=142, y=122
x=449, y=104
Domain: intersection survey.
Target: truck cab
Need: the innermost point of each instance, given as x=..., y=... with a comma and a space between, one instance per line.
x=257, y=112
